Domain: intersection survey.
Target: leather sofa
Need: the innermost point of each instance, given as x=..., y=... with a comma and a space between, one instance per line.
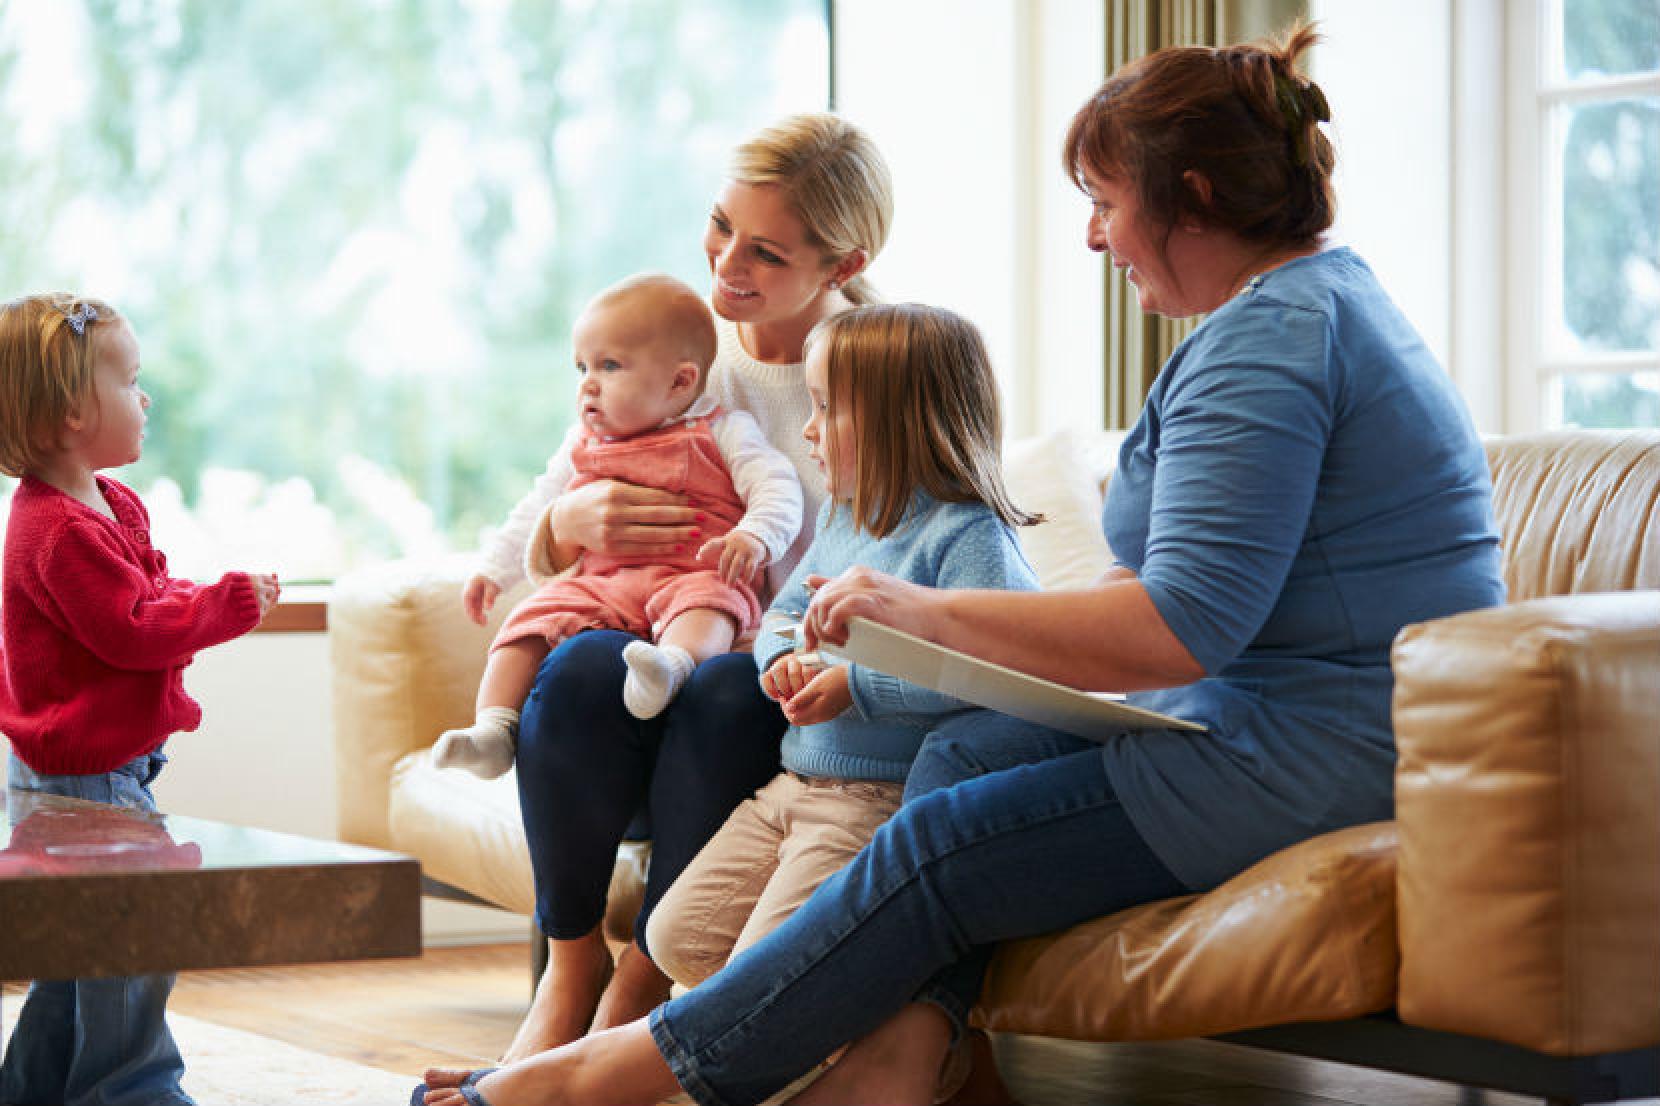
x=1502, y=931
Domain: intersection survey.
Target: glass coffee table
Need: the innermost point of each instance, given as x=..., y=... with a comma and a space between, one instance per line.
x=94, y=890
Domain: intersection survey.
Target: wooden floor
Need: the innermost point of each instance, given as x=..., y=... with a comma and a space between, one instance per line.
x=460, y=1006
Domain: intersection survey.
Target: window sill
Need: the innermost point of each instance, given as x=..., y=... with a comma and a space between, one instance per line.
x=302, y=609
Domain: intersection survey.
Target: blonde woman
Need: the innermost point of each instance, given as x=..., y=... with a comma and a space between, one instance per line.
x=805, y=210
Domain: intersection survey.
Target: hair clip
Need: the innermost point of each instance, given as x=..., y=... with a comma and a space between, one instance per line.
x=84, y=313
x=1303, y=106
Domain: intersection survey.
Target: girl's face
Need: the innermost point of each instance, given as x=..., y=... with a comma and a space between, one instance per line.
x=109, y=431
x=830, y=430
x=764, y=268
x=1117, y=227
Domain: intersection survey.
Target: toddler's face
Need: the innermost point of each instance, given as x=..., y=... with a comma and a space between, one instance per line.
x=109, y=432
x=830, y=429
x=626, y=384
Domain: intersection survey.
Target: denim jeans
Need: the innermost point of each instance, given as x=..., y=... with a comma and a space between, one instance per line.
x=94, y=1042
x=587, y=767
x=1009, y=830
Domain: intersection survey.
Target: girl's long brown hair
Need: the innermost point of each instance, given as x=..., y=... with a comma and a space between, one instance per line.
x=925, y=410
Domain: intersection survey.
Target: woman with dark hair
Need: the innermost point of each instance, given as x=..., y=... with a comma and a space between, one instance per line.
x=1270, y=544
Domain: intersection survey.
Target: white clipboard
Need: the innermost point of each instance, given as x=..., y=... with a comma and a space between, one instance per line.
x=1095, y=715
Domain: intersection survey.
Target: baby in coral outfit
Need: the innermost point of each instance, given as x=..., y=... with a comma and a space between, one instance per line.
x=643, y=349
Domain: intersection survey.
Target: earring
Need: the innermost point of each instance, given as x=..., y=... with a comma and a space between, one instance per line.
x=834, y=284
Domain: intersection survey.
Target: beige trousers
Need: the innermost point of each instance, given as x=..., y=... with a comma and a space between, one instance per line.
x=769, y=857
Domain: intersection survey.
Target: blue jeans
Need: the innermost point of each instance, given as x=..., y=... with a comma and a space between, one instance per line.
x=94, y=1042
x=587, y=767
x=1032, y=839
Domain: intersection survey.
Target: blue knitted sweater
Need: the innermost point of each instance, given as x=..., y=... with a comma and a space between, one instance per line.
x=946, y=545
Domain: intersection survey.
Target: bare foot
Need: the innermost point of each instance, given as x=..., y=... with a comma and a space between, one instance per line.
x=897, y=1064
x=984, y=1085
x=566, y=997
x=636, y=989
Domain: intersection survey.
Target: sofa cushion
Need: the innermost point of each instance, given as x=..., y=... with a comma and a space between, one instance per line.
x=1059, y=476
x=1577, y=510
x=468, y=834
x=1307, y=934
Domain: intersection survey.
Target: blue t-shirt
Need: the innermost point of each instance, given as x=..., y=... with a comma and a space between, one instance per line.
x=943, y=545
x=1303, y=482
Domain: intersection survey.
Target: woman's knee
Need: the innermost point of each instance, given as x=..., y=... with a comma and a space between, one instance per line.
x=980, y=742
x=574, y=704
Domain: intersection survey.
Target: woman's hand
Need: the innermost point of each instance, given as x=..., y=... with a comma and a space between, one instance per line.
x=609, y=516
x=866, y=593
x=478, y=595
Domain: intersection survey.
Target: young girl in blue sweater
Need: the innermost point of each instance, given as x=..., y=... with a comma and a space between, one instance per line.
x=906, y=428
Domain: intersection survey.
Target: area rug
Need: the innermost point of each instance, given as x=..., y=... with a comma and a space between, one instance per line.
x=227, y=1067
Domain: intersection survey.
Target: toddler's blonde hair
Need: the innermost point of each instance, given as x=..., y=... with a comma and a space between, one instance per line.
x=835, y=180
x=45, y=372
x=925, y=410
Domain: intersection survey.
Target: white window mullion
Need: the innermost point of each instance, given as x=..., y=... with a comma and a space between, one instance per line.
x=1527, y=36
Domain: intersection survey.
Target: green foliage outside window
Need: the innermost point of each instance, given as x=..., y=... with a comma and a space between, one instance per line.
x=352, y=235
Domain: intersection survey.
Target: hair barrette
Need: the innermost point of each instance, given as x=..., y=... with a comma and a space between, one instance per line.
x=84, y=313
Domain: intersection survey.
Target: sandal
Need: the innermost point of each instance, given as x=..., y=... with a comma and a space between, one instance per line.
x=468, y=1088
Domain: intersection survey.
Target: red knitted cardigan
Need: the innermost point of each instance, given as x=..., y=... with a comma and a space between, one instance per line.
x=95, y=635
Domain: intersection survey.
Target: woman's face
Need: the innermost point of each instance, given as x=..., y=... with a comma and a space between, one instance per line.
x=1118, y=227
x=765, y=270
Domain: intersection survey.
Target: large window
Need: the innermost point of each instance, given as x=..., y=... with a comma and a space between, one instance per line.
x=1585, y=314
x=352, y=236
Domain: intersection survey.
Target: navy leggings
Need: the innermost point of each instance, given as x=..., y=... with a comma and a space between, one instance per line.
x=587, y=768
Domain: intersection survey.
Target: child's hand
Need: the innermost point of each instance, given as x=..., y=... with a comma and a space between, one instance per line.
x=478, y=595
x=736, y=553
x=825, y=697
x=266, y=590
x=788, y=675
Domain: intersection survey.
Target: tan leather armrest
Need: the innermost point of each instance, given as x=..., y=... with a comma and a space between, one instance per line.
x=1528, y=801
x=406, y=664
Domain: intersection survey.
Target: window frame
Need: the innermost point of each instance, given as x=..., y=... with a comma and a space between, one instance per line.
x=1535, y=92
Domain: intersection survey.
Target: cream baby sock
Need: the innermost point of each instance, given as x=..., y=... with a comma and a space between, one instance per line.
x=485, y=748
x=656, y=673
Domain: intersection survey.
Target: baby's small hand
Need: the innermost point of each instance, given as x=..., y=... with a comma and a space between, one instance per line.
x=266, y=590
x=788, y=675
x=478, y=595
x=737, y=554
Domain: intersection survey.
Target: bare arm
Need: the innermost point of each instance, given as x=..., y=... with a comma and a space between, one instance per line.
x=1108, y=637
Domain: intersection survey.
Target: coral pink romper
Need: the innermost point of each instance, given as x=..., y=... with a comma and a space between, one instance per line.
x=641, y=594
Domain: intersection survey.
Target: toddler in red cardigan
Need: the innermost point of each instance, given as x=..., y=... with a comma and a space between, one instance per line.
x=94, y=639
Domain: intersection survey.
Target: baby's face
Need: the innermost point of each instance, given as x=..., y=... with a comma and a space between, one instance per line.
x=626, y=383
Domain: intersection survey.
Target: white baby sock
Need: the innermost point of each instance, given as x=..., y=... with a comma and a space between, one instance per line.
x=485, y=748
x=656, y=673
